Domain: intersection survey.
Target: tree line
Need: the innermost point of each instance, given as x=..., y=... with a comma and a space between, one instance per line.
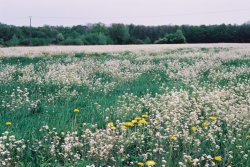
x=100, y=34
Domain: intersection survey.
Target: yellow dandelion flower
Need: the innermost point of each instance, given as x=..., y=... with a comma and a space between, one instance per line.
x=123, y=127
x=205, y=124
x=76, y=110
x=213, y=118
x=172, y=137
x=142, y=121
x=150, y=163
x=137, y=119
x=217, y=158
x=144, y=116
x=248, y=137
x=134, y=121
x=8, y=123
x=140, y=163
x=129, y=124
x=194, y=128
x=110, y=124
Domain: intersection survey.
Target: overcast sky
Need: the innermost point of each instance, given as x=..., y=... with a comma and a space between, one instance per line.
x=146, y=12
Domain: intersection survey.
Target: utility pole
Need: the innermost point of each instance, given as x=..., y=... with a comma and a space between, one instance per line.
x=30, y=32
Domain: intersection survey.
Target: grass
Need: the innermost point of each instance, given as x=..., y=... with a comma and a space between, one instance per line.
x=105, y=91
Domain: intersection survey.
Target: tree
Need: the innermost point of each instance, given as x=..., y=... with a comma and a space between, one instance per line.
x=172, y=38
x=79, y=29
x=1, y=42
x=147, y=40
x=14, y=41
x=99, y=28
x=96, y=39
x=40, y=41
x=99, y=33
x=119, y=33
x=59, y=37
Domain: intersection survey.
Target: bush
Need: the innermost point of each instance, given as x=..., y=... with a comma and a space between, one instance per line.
x=147, y=40
x=71, y=41
x=134, y=40
x=96, y=39
x=59, y=38
x=172, y=38
x=1, y=42
x=36, y=42
x=25, y=42
x=40, y=41
x=14, y=41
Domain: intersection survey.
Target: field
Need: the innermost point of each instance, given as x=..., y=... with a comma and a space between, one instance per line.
x=156, y=105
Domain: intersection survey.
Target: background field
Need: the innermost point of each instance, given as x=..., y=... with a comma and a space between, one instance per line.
x=55, y=50
x=177, y=105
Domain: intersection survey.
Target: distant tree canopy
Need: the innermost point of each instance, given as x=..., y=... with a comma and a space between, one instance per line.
x=100, y=34
x=119, y=33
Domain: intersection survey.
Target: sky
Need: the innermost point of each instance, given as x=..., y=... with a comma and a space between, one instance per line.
x=140, y=12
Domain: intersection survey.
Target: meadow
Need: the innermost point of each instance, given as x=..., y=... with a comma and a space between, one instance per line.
x=177, y=106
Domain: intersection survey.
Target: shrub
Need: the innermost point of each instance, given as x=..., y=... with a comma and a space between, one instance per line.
x=147, y=40
x=59, y=37
x=172, y=38
x=134, y=40
x=14, y=41
x=1, y=42
x=40, y=41
x=96, y=39
x=71, y=41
